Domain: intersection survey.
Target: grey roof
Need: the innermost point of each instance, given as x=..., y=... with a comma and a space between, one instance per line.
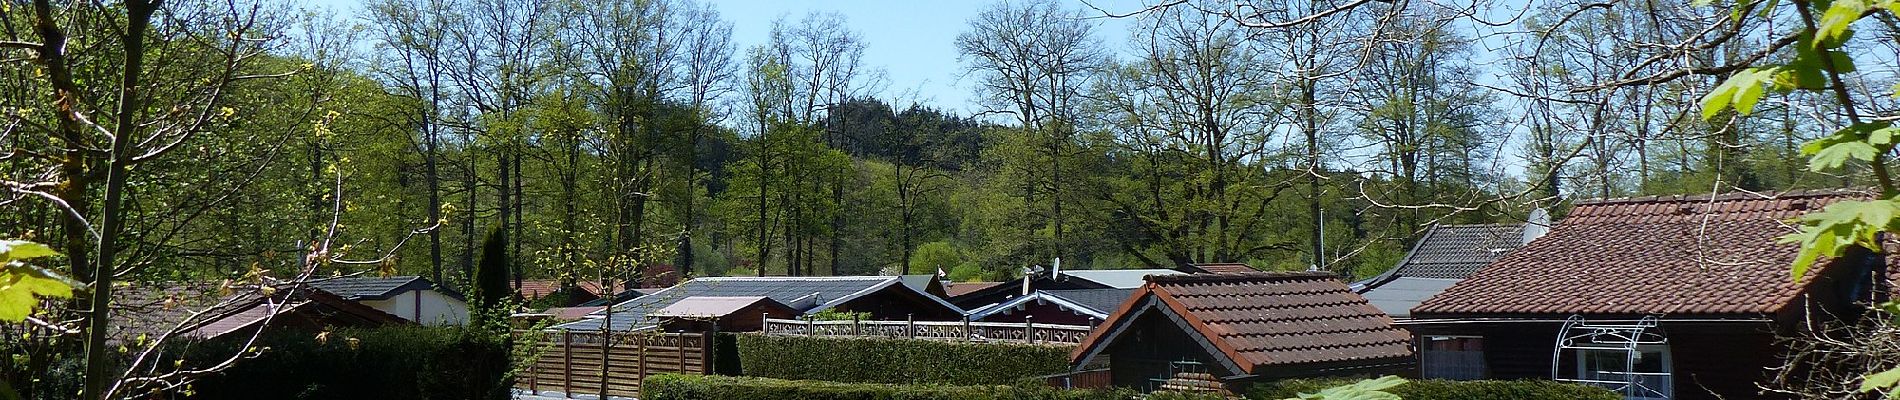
x=920, y=282
x=1098, y=303
x=1104, y=300
x=1456, y=251
x=1447, y=254
x=1118, y=278
x=1397, y=296
x=805, y=294
x=372, y=288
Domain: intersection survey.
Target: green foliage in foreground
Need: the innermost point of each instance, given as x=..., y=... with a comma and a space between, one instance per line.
x=385, y=363
x=21, y=285
x=869, y=360
x=697, y=387
x=1441, y=390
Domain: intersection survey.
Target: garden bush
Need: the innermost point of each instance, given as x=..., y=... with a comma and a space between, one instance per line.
x=1445, y=390
x=876, y=360
x=699, y=387
x=384, y=363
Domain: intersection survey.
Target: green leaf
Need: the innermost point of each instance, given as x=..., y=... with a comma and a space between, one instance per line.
x=1368, y=389
x=1741, y=90
x=1837, y=154
x=1880, y=380
x=20, y=250
x=20, y=283
x=1835, y=21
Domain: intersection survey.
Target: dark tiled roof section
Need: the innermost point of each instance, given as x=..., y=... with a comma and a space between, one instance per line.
x=1456, y=251
x=151, y=309
x=1673, y=255
x=1101, y=300
x=371, y=288
x=1224, y=268
x=1280, y=318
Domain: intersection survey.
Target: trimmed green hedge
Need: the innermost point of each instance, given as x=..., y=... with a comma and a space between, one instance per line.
x=873, y=360
x=385, y=363
x=698, y=387
x=1435, y=389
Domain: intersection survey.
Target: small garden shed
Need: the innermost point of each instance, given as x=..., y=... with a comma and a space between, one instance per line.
x=1226, y=331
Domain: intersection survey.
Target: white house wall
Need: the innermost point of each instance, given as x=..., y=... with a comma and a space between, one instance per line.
x=427, y=307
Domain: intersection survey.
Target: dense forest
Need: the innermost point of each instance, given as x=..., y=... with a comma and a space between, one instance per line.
x=606, y=138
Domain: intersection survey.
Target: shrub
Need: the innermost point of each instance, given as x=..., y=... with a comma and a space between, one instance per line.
x=1446, y=390
x=876, y=360
x=698, y=387
x=385, y=363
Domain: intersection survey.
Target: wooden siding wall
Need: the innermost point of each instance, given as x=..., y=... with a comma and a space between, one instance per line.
x=1709, y=360
x=575, y=362
x=1145, y=351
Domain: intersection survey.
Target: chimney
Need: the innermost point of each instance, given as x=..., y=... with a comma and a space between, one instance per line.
x=1536, y=226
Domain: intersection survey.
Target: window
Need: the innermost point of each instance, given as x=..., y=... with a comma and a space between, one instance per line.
x=1452, y=357
x=1647, y=377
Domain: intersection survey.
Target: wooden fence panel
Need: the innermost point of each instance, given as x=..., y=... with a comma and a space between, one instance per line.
x=576, y=362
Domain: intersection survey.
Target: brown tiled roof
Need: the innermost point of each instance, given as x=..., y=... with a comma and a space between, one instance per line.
x=962, y=288
x=1673, y=255
x=1259, y=320
x=537, y=288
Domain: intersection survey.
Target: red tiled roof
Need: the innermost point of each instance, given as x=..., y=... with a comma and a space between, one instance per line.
x=537, y=288
x=1263, y=319
x=1698, y=255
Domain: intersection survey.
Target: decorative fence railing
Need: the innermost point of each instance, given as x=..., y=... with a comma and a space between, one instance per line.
x=935, y=330
x=609, y=365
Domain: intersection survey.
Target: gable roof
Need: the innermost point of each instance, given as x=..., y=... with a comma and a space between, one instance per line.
x=1671, y=255
x=376, y=288
x=1117, y=278
x=1253, y=321
x=807, y=294
x=207, y=310
x=925, y=284
x=1095, y=303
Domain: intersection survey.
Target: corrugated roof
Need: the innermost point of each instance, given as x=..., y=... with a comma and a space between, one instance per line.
x=1673, y=255
x=1117, y=278
x=1266, y=319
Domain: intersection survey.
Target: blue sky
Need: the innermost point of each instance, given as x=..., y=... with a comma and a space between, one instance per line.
x=913, y=42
